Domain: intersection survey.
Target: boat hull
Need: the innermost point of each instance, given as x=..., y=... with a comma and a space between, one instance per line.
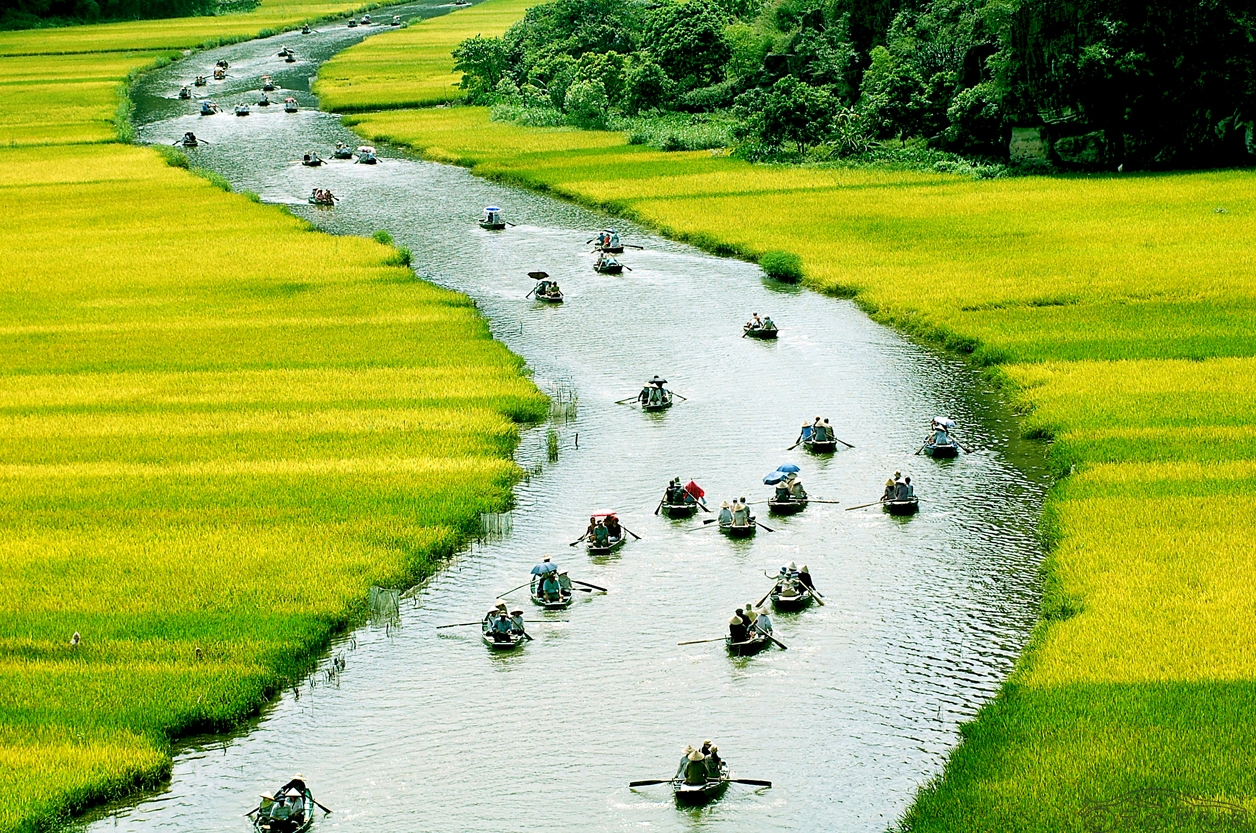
x=550, y=299
x=562, y=604
x=760, y=333
x=786, y=507
x=615, y=544
x=680, y=510
x=790, y=604
x=908, y=506
x=735, y=531
x=611, y=250
x=696, y=795
x=748, y=648
x=820, y=446
x=941, y=452
x=492, y=226
x=510, y=644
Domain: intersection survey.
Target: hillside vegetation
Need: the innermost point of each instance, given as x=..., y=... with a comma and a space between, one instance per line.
x=216, y=438
x=1118, y=312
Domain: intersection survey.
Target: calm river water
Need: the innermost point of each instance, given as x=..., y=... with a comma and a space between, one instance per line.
x=426, y=731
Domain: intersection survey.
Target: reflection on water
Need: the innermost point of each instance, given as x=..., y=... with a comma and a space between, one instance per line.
x=424, y=730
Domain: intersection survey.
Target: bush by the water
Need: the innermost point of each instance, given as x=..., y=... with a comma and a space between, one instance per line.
x=784, y=266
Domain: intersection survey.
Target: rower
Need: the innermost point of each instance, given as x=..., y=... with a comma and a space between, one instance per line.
x=738, y=627
x=888, y=494
x=516, y=620
x=763, y=622
x=684, y=759
x=782, y=490
x=767, y=323
x=713, y=760
x=755, y=323
x=588, y=533
x=804, y=578
x=726, y=514
x=695, y=769
x=752, y=616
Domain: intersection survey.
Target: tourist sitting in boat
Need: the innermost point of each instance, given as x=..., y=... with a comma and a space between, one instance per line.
x=796, y=491
x=601, y=535
x=546, y=566
x=739, y=627
x=516, y=619
x=264, y=101
x=888, y=494
x=762, y=621
x=755, y=323
x=588, y=533
x=741, y=513
x=804, y=578
x=726, y=514
x=612, y=526
x=712, y=753
x=652, y=393
x=694, y=771
x=564, y=582
x=819, y=431
x=200, y=81
x=909, y=491
x=767, y=323
x=550, y=588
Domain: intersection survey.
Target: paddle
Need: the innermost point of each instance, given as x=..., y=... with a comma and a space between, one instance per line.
x=779, y=643
x=660, y=506
x=957, y=442
x=922, y=447
x=701, y=641
x=704, y=506
x=508, y=592
x=529, y=295
x=765, y=595
x=632, y=784
x=796, y=444
x=700, y=528
x=319, y=806
x=527, y=635
x=843, y=442
x=815, y=500
x=512, y=225
x=629, y=399
x=594, y=586
x=709, y=521
x=629, y=268
x=768, y=528
x=254, y=810
x=630, y=532
x=814, y=595
x=460, y=625
x=751, y=781
x=678, y=396
x=865, y=505
x=630, y=246
x=577, y=541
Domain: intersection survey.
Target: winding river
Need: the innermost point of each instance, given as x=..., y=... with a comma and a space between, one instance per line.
x=426, y=731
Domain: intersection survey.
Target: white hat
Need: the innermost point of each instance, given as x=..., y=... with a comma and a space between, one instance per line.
x=793, y=566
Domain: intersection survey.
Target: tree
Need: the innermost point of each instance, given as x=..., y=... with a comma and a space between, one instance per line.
x=893, y=95
x=586, y=104
x=795, y=111
x=687, y=40
x=646, y=86
x=482, y=62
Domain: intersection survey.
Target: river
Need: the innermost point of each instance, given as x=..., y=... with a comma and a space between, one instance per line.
x=426, y=731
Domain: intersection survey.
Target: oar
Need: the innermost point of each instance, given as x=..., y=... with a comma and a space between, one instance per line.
x=660, y=506
x=781, y=644
x=594, y=586
x=678, y=396
x=765, y=595
x=529, y=295
x=843, y=442
x=709, y=521
x=705, y=508
x=629, y=268
x=590, y=240
x=626, y=401
x=254, y=810
x=796, y=444
x=512, y=225
x=460, y=625
x=751, y=781
x=768, y=528
x=577, y=541
x=630, y=246
x=632, y=784
x=865, y=505
x=700, y=528
x=528, y=635
x=814, y=500
x=814, y=595
x=922, y=446
x=957, y=442
x=700, y=641
x=319, y=806
x=630, y=532
x=508, y=592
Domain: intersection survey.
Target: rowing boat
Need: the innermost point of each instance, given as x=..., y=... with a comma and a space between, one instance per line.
x=608, y=267
x=609, y=547
x=902, y=506
x=790, y=598
x=661, y=403
x=693, y=795
x=941, y=451
x=761, y=332
x=680, y=510
x=291, y=810
x=756, y=643
x=550, y=297
x=739, y=530
x=820, y=446
x=502, y=641
x=561, y=603
x=786, y=507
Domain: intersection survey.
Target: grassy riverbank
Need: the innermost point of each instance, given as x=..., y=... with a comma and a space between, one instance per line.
x=220, y=428
x=1119, y=310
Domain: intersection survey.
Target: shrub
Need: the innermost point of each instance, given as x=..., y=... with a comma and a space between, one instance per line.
x=586, y=104
x=783, y=266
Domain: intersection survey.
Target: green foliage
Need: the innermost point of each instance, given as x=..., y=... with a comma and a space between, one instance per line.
x=783, y=266
x=646, y=85
x=586, y=104
x=483, y=64
x=382, y=236
x=687, y=40
x=793, y=111
x=895, y=97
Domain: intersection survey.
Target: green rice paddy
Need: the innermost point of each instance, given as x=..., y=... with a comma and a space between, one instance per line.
x=1118, y=312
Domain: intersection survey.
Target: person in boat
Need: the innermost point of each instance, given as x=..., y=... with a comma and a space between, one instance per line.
x=767, y=323
x=684, y=759
x=888, y=494
x=601, y=535
x=613, y=239
x=726, y=514
x=804, y=578
x=612, y=526
x=516, y=620
x=588, y=533
x=713, y=760
x=900, y=490
x=909, y=491
x=669, y=494
x=752, y=616
x=297, y=783
x=828, y=431
x=500, y=624
x=741, y=513
x=739, y=627
x=755, y=323
x=782, y=490
x=763, y=621
x=819, y=431
x=695, y=769
x=796, y=491
x=564, y=582
x=551, y=588
x=546, y=566
x=553, y=288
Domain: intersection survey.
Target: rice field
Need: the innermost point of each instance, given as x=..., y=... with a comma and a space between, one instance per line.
x=410, y=67
x=216, y=433
x=1118, y=311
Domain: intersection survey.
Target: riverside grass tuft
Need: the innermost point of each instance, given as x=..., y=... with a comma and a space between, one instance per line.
x=1119, y=312
x=210, y=450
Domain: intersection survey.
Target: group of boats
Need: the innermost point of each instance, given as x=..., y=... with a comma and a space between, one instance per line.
x=353, y=22
x=209, y=107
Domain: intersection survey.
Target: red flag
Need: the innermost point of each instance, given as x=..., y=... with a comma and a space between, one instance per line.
x=695, y=490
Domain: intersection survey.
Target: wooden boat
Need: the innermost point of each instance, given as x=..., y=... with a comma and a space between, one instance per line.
x=366, y=155
x=305, y=30
x=492, y=219
x=220, y=74
x=761, y=332
x=792, y=506
x=267, y=84
x=292, y=811
x=563, y=602
x=610, y=250
x=740, y=530
x=291, y=59
x=223, y=65
x=322, y=200
x=185, y=94
x=608, y=266
x=507, y=642
x=366, y=20
x=941, y=451
x=756, y=643
x=611, y=546
x=283, y=53
x=311, y=160
x=396, y=21
x=189, y=140
x=242, y=109
x=695, y=795
x=661, y=404
x=790, y=598
x=289, y=105
x=680, y=510
x=264, y=102
x=200, y=81
x=820, y=446
x=208, y=108
x=353, y=23
x=550, y=296
x=342, y=151
x=902, y=506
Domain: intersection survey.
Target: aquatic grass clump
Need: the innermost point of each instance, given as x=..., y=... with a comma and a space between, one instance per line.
x=783, y=266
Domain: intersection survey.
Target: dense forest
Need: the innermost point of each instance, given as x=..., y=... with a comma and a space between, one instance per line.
x=1092, y=84
x=31, y=14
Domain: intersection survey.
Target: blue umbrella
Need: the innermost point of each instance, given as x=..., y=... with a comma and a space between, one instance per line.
x=775, y=477
x=788, y=467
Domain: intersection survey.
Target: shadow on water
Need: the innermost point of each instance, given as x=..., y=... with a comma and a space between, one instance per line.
x=426, y=730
